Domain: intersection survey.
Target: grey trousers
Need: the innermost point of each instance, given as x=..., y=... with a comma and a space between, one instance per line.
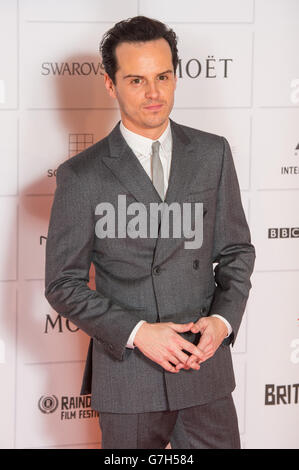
x=210, y=426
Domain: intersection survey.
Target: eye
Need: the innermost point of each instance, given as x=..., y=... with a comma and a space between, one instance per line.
x=163, y=77
x=136, y=81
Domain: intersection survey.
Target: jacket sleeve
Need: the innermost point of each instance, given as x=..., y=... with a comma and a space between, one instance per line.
x=69, y=250
x=233, y=253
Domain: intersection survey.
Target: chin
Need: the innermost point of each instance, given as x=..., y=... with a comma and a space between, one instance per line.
x=156, y=121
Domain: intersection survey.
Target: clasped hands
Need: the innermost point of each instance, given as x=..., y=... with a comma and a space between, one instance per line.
x=162, y=343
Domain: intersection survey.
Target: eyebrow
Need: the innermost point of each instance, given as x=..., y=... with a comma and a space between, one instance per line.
x=141, y=76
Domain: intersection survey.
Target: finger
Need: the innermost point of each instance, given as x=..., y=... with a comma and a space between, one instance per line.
x=209, y=350
x=180, y=366
x=167, y=366
x=208, y=356
x=194, y=362
x=186, y=366
x=171, y=358
x=195, y=328
x=195, y=365
x=191, y=364
x=181, y=327
x=181, y=356
x=205, y=341
x=199, y=326
x=190, y=347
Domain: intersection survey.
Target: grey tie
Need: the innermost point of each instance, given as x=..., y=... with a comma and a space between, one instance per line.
x=157, y=170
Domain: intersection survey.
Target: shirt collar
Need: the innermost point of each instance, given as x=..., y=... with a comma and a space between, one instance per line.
x=143, y=145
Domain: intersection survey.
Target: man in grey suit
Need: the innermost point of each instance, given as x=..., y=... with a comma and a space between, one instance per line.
x=164, y=313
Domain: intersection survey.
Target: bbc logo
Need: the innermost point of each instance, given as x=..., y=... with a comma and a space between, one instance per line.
x=285, y=232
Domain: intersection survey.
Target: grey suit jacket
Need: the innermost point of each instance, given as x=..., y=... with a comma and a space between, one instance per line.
x=188, y=284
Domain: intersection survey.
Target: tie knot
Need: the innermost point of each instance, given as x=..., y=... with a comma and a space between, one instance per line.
x=155, y=147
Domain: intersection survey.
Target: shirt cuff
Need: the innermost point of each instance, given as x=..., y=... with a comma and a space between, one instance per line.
x=130, y=344
x=229, y=328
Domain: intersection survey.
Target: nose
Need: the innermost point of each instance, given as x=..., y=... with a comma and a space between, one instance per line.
x=152, y=91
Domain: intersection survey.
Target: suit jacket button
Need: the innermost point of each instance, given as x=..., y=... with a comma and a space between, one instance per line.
x=157, y=270
x=196, y=264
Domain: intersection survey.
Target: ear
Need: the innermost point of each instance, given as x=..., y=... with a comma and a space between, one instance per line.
x=110, y=87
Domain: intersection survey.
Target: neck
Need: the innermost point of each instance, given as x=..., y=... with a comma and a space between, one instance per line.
x=149, y=132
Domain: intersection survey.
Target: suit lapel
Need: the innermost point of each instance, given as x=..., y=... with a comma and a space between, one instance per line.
x=127, y=168
x=182, y=168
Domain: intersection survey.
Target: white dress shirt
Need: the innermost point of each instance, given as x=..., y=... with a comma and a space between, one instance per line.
x=142, y=148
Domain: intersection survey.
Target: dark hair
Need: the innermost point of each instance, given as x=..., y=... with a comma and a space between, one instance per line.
x=136, y=29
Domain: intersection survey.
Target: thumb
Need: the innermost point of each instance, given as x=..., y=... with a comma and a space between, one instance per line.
x=199, y=326
x=182, y=327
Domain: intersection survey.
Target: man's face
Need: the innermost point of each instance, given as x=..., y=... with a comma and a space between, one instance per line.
x=145, y=85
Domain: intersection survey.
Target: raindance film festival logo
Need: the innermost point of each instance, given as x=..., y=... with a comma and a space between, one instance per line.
x=69, y=407
x=48, y=404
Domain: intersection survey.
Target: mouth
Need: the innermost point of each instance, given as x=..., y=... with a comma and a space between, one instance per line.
x=154, y=107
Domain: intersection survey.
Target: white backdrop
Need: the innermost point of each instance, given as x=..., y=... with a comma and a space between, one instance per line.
x=238, y=77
